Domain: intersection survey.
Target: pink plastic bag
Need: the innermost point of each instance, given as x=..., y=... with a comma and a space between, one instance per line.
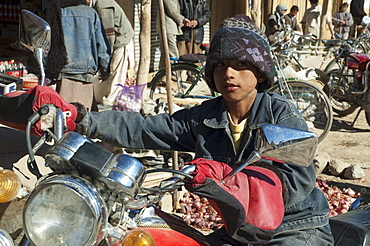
x=130, y=98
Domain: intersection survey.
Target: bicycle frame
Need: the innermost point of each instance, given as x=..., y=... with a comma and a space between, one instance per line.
x=180, y=84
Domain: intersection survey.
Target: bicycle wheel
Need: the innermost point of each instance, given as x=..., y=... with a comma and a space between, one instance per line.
x=367, y=116
x=337, y=89
x=311, y=102
x=187, y=82
x=333, y=64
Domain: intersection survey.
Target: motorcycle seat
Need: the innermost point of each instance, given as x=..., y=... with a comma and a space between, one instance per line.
x=352, y=228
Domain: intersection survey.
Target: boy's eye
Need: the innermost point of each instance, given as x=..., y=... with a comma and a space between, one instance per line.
x=220, y=64
x=242, y=64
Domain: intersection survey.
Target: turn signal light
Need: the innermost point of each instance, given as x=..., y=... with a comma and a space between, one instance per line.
x=138, y=238
x=9, y=185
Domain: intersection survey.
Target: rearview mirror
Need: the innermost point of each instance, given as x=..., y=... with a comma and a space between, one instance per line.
x=281, y=144
x=35, y=34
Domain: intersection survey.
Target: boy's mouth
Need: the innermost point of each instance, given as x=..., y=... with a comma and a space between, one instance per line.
x=230, y=86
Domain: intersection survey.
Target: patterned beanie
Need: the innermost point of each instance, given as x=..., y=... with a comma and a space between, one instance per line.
x=239, y=38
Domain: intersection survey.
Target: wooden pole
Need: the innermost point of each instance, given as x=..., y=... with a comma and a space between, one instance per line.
x=144, y=64
x=175, y=197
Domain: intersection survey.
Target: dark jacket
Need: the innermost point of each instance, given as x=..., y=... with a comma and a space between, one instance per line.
x=205, y=130
x=201, y=13
x=357, y=8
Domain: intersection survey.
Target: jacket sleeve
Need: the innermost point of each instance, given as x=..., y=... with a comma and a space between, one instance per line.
x=132, y=130
x=103, y=47
x=300, y=181
x=172, y=11
x=205, y=15
x=107, y=19
x=349, y=21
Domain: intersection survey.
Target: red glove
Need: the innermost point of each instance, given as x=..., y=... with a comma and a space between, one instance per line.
x=16, y=107
x=250, y=203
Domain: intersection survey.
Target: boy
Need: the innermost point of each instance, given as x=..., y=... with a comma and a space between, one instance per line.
x=342, y=21
x=223, y=129
x=240, y=67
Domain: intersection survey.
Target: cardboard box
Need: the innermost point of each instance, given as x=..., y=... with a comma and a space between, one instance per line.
x=8, y=83
x=29, y=82
x=6, y=88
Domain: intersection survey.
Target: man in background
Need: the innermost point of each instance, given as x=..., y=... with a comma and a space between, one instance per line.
x=198, y=12
x=120, y=35
x=311, y=21
x=291, y=18
x=174, y=20
x=358, y=12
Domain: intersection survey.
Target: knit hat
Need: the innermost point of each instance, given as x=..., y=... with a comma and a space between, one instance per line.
x=239, y=38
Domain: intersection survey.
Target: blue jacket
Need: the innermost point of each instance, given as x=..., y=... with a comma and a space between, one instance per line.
x=205, y=130
x=87, y=47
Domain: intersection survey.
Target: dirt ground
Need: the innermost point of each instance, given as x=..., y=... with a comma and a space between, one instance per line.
x=350, y=144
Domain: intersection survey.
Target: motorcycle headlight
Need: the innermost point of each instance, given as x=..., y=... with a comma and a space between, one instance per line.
x=9, y=185
x=5, y=239
x=138, y=237
x=65, y=210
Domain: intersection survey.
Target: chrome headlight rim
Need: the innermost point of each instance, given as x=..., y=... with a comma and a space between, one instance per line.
x=5, y=239
x=86, y=191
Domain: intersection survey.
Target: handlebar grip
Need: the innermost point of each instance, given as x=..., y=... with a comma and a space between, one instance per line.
x=36, y=115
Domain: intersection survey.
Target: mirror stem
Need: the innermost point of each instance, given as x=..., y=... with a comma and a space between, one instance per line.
x=254, y=157
x=39, y=55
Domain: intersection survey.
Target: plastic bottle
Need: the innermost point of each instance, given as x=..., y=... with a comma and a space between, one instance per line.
x=20, y=68
x=2, y=68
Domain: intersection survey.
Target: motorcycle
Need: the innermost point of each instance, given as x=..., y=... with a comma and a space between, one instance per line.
x=347, y=86
x=341, y=48
x=94, y=197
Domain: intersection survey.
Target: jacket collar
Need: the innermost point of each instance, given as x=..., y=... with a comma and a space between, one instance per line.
x=261, y=112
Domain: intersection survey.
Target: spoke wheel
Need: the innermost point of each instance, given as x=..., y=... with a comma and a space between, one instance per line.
x=187, y=81
x=312, y=103
x=337, y=94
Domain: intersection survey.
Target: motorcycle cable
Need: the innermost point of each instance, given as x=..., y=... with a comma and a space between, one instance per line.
x=171, y=171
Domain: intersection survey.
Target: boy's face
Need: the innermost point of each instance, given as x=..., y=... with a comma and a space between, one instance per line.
x=344, y=8
x=236, y=80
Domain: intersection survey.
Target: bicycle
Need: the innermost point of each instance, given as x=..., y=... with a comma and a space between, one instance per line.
x=311, y=101
x=291, y=45
x=187, y=76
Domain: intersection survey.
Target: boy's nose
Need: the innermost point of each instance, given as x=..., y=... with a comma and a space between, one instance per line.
x=229, y=72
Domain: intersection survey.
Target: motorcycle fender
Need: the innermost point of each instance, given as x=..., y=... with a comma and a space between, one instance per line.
x=169, y=237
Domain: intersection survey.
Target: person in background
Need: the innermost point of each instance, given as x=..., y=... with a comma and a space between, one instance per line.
x=79, y=49
x=198, y=12
x=291, y=18
x=357, y=11
x=311, y=21
x=342, y=21
x=276, y=22
x=174, y=21
x=120, y=35
x=239, y=66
